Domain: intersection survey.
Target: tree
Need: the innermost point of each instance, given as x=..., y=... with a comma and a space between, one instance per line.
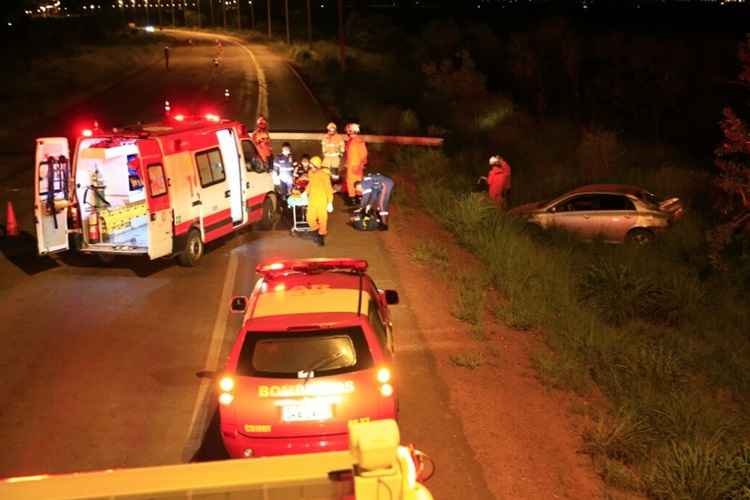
x=732, y=160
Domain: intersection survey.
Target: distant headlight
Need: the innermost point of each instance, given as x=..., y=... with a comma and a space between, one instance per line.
x=150, y=29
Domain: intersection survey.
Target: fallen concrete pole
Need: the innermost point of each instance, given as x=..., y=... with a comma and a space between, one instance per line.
x=377, y=139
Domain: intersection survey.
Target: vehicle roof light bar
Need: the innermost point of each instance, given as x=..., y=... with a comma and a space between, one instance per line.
x=273, y=268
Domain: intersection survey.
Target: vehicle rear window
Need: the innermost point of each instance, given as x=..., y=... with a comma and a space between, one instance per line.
x=291, y=354
x=615, y=202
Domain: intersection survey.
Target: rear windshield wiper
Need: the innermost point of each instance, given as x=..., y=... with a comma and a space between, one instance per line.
x=321, y=363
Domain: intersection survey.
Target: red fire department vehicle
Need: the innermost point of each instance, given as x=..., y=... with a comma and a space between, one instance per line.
x=159, y=190
x=315, y=352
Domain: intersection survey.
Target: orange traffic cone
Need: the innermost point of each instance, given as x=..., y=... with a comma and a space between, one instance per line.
x=11, y=228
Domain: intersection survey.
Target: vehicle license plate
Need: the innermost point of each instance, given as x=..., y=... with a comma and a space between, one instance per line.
x=304, y=413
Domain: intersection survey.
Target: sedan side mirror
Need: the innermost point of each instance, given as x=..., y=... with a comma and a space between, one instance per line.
x=391, y=297
x=239, y=304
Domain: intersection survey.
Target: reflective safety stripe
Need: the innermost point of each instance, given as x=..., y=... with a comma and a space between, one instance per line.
x=365, y=191
x=383, y=213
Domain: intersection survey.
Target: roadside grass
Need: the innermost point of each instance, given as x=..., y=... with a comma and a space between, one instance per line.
x=430, y=253
x=659, y=340
x=468, y=359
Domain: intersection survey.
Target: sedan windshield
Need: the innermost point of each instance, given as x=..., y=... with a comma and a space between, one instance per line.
x=293, y=354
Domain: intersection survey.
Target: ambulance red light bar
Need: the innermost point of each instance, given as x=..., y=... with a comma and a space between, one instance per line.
x=179, y=118
x=87, y=132
x=281, y=267
x=212, y=117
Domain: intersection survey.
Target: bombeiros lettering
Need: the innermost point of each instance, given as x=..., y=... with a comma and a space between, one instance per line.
x=300, y=390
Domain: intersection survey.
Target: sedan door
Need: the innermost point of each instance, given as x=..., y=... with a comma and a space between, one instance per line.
x=617, y=216
x=578, y=214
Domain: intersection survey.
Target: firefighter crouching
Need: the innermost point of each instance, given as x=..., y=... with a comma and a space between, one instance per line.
x=355, y=160
x=332, y=146
x=375, y=191
x=320, y=200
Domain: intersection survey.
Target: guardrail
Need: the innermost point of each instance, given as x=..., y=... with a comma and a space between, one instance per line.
x=379, y=139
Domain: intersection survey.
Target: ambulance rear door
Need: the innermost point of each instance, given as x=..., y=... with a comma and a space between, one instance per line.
x=52, y=194
x=160, y=214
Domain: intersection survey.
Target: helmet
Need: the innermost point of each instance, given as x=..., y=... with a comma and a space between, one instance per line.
x=316, y=161
x=494, y=160
x=331, y=127
x=261, y=122
x=352, y=128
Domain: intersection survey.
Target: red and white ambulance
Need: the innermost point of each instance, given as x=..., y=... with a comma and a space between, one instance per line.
x=154, y=190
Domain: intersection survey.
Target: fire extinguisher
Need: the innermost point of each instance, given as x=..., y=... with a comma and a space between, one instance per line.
x=97, y=187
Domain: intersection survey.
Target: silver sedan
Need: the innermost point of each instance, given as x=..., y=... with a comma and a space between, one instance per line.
x=615, y=213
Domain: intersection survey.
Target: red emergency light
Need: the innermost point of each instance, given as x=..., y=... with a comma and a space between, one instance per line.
x=212, y=117
x=179, y=118
x=271, y=269
x=87, y=132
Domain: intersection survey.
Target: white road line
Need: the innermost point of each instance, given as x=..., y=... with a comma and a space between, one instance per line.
x=262, y=84
x=214, y=349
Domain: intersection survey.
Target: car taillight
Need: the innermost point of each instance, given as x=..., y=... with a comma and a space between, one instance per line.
x=226, y=384
x=384, y=378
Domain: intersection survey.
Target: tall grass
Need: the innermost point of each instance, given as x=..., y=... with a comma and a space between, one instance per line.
x=641, y=323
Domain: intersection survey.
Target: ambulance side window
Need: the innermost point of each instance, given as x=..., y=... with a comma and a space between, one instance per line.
x=210, y=167
x=157, y=185
x=377, y=325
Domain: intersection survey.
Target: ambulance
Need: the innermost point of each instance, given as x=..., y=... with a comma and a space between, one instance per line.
x=156, y=190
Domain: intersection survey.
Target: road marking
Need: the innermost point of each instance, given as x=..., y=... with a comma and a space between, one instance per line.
x=262, y=85
x=214, y=350
x=262, y=107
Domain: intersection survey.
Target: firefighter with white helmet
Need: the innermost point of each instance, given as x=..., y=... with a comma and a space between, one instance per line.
x=355, y=159
x=498, y=180
x=333, y=149
x=262, y=139
x=320, y=195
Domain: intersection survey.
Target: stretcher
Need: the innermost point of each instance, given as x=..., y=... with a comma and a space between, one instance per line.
x=297, y=203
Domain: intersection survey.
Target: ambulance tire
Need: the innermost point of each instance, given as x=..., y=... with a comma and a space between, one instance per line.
x=269, y=218
x=193, y=249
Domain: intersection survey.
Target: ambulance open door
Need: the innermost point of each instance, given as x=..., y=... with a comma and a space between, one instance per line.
x=160, y=222
x=52, y=194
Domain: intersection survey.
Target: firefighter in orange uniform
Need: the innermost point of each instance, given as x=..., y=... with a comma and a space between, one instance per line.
x=333, y=149
x=355, y=160
x=320, y=199
x=499, y=181
x=262, y=139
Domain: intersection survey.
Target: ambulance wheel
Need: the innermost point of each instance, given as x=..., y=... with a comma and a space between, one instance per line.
x=269, y=218
x=193, y=249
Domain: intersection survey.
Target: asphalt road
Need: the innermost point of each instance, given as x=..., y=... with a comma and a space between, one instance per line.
x=98, y=361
